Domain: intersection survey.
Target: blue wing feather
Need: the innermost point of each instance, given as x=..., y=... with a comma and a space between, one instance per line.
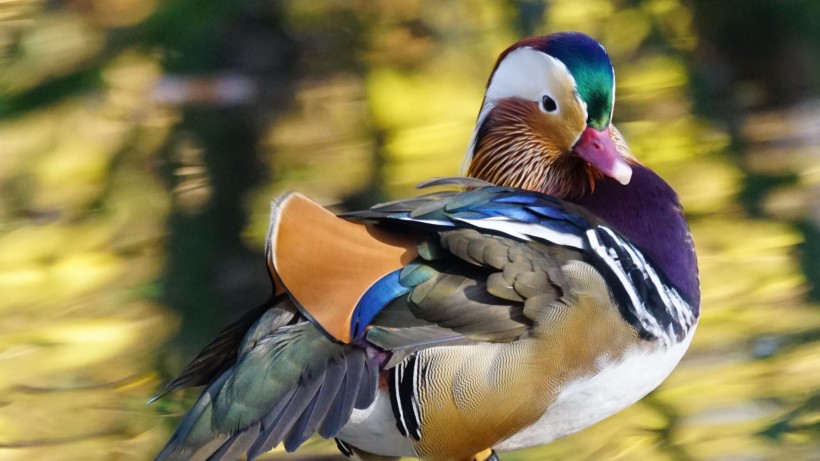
x=522, y=198
x=519, y=214
x=552, y=212
x=374, y=299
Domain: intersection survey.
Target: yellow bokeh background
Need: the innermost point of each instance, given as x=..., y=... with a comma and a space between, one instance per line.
x=129, y=127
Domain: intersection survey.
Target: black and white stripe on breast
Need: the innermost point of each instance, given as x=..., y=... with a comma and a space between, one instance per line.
x=645, y=298
x=404, y=385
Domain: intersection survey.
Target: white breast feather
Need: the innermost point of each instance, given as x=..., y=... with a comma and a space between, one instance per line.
x=591, y=399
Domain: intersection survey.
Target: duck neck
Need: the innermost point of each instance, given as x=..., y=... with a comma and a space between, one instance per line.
x=648, y=212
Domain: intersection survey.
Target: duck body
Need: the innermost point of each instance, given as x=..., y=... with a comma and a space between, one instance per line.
x=591, y=364
x=495, y=317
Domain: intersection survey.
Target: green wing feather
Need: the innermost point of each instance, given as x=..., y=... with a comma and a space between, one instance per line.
x=287, y=383
x=222, y=352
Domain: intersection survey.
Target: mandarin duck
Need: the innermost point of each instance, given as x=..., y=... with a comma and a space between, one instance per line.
x=555, y=286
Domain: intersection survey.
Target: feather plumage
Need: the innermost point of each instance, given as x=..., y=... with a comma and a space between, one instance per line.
x=288, y=382
x=400, y=328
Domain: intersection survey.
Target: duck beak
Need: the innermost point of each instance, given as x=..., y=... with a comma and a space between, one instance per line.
x=597, y=148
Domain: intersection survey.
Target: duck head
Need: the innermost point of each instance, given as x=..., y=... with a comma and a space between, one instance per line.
x=545, y=123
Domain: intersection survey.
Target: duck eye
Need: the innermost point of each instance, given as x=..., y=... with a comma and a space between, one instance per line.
x=548, y=104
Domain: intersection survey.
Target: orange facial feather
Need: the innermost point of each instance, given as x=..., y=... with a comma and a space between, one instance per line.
x=520, y=146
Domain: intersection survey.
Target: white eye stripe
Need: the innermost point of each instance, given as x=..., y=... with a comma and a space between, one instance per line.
x=529, y=74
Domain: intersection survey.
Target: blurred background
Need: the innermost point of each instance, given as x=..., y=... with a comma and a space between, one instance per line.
x=142, y=140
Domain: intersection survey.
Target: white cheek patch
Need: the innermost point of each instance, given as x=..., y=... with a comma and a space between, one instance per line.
x=528, y=74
